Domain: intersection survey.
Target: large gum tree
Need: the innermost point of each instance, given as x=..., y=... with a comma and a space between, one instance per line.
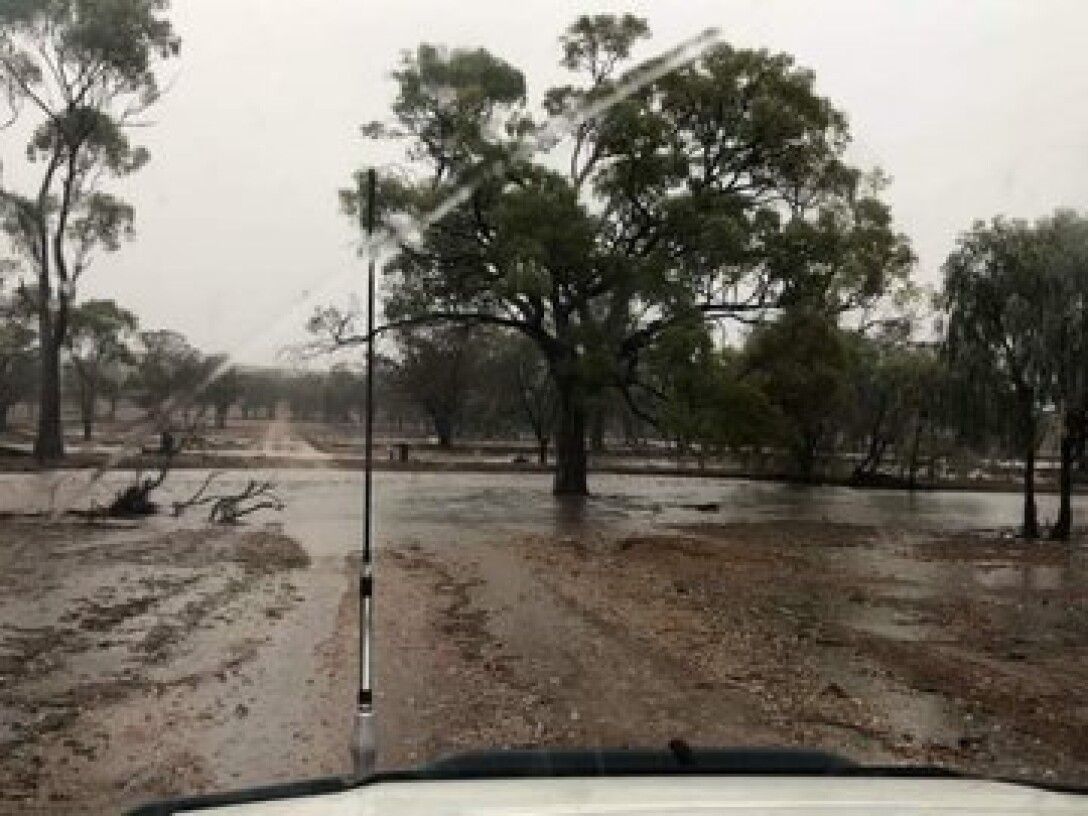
x=717, y=192
x=76, y=74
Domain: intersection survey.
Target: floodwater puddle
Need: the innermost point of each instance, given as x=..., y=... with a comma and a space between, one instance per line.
x=1004, y=575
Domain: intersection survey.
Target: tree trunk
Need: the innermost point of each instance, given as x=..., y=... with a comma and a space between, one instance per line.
x=443, y=429
x=570, y=440
x=806, y=457
x=913, y=468
x=597, y=423
x=1031, y=521
x=1064, y=525
x=49, y=444
x=630, y=434
x=875, y=455
x=88, y=395
x=542, y=449
x=112, y=411
x=877, y=444
x=3, y=416
x=221, y=415
x=1027, y=435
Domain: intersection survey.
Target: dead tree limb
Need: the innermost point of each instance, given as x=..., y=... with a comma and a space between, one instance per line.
x=257, y=495
x=200, y=497
x=135, y=500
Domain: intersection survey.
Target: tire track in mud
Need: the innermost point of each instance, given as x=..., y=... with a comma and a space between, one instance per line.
x=748, y=634
x=525, y=665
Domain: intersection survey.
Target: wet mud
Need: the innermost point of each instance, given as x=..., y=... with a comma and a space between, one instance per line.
x=135, y=662
x=968, y=651
x=164, y=657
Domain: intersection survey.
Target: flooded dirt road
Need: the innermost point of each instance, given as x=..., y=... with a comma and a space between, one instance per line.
x=147, y=660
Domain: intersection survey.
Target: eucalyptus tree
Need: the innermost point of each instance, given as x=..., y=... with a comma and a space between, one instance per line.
x=167, y=369
x=100, y=338
x=437, y=368
x=513, y=389
x=18, y=348
x=703, y=396
x=261, y=390
x=803, y=362
x=898, y=389
x=1064, y=283
x=303, y=390
x=75, y=75
x=718, y=192
x=343, y=394
x=223, y=390
x=999, y=335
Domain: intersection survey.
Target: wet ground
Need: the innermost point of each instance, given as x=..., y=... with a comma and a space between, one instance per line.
x=146, y=660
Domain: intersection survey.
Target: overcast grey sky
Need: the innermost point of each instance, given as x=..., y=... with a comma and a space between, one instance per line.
x=974, y=107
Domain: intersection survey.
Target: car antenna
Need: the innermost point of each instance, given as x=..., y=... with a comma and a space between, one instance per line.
x=364, y=745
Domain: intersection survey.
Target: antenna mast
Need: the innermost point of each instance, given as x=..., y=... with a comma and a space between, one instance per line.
x=364, y=747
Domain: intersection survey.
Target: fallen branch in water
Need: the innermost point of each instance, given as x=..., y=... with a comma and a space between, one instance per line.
x=256, y=496
x=135, y=500
x=200, y=497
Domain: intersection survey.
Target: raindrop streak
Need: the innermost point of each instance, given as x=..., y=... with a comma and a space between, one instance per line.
x=546, y=139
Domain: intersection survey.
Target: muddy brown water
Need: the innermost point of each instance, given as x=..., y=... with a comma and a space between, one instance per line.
x=260, y=690
x=329, y=503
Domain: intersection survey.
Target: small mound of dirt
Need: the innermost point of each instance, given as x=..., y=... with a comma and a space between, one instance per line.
x=270, y=552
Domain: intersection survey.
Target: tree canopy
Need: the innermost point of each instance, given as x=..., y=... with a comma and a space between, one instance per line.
x=719, y=191
x=99, y=339
x=1016, y=295
x=82, y=72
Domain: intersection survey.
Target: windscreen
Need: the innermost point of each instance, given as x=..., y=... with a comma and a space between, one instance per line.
x=722, y=374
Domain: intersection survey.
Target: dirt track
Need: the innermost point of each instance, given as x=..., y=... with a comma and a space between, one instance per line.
x=967, y=651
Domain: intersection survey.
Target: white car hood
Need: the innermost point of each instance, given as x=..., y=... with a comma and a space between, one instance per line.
x=675, y=795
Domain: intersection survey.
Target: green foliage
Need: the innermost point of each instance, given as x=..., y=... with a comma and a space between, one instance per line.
x=436, y=368
x=166, y=370
x=99, y=347
x=100, y=331
x=261, y=391
x=596, y=44
x=85, y=70
x=303, y=391
x=803, y=363
x=447, y=103
x=224, y=386
x=18, y=349
x=719, y=192
x=705, y=399
x=692, y=177
x=1017, y=294
x=343, y=394
x=92, y=40
x=997, y=317
x=1064, y=239
x=900, y=389
x=513, y=389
